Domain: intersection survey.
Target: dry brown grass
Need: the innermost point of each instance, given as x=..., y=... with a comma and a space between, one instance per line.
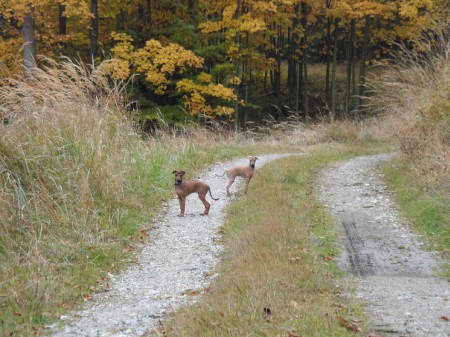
x=415, y=93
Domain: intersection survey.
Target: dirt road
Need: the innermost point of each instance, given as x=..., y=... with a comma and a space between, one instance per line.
x=394, y=274
x=175, y=264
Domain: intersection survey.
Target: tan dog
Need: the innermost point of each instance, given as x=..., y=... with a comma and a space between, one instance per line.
x=184, y=188
x=245, y=172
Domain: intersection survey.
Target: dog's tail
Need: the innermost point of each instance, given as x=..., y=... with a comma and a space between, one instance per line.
x=209, y=189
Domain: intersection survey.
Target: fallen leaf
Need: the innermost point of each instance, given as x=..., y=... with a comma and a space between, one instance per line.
x=194, y=292
x=352, y=326
x=444, y=318
x=86, y=297
x=339, y=306
x=144, y=232
x=292, y=333
x=328, y=258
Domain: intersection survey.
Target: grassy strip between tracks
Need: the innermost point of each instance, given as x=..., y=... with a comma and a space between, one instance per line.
x=280, y=250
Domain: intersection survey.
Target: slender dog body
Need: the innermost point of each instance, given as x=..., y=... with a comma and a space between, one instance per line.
x=184, y=188
x=245, y=172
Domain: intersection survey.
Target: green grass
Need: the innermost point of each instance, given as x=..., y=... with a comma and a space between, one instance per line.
x=280, y=249
x=425, y=205
x=78, y=218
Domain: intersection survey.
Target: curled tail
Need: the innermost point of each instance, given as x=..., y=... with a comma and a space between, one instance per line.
x=209, y=189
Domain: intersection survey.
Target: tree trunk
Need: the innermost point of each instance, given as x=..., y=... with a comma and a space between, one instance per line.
x=237, y=69
x=277, y=80
x=333, y=75
x=328, y=62
x=149, y=13
x=277, y=72
x=300, y=78
x=364, y=53
x=29, y=49
x=354, y=95
x=290, y=77
x=93, y=32
x=304, y=22
x=192, y=9
x=294, y=56
x=350, y=61
x=62, y=19
x=236, y=92
x=265, y=82
x=297, y=87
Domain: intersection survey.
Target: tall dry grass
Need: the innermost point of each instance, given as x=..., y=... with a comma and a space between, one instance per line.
x=415, y=92
x=77, y=183
x=69, y=162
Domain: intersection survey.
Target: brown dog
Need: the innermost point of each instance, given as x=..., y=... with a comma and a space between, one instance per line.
x=245, y=172
x=184, y=188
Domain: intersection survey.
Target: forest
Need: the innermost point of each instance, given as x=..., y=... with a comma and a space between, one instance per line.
x=235, y=61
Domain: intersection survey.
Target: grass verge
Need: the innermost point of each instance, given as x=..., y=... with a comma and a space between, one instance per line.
x=423, y=203
x=280, y=248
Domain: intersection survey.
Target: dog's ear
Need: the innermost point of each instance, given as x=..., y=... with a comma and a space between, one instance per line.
x=174, y=171
x=182, y=173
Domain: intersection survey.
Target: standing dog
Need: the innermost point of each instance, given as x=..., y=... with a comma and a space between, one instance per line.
x=245, y=172
x=184, y=188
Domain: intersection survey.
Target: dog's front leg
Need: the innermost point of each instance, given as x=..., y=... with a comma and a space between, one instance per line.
x=182, y=205
x=247, y=181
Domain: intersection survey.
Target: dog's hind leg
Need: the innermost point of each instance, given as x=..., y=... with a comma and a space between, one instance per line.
x=207, y=205
x=230, y=182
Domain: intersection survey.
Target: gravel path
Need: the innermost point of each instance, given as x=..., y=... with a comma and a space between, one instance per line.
x=175, y=264
x=394, y=275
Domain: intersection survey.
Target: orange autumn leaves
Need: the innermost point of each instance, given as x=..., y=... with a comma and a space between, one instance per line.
x=169, y=69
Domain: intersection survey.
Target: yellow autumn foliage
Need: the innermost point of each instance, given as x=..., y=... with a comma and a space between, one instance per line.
x=164, y=68
x=196, y=94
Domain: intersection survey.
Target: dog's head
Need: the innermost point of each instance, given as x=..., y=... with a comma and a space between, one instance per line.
x=178, y=176
x=252, y=161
